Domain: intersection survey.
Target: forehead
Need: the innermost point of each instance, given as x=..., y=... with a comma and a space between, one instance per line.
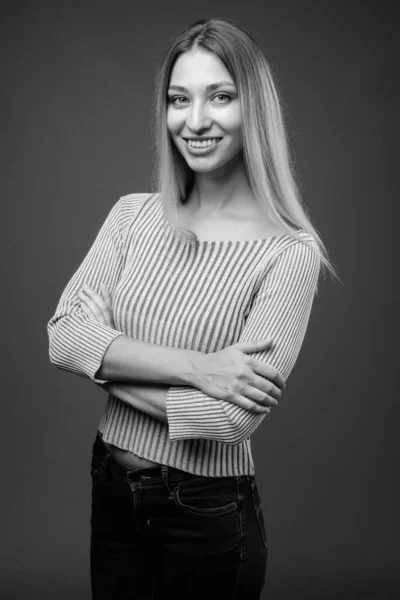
x=199, y=67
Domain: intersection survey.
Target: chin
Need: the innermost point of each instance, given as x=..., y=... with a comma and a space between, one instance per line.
x=196, y=168
x=199, y=166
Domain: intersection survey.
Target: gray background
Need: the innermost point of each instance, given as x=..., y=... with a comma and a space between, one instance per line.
x=78, y=81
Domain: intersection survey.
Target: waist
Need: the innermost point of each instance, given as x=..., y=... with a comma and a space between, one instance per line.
x=143, y=436
x=104, y=466
x=128, y=458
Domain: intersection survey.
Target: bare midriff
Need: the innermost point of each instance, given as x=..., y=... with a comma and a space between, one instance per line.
x=128, y=458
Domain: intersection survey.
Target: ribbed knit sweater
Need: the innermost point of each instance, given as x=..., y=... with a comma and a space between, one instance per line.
x=202, y=296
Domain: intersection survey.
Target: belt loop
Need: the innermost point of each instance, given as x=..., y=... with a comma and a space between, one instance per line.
x=165, y=478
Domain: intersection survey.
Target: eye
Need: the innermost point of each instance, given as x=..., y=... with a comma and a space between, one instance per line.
x=177, y=100
x=222, y=98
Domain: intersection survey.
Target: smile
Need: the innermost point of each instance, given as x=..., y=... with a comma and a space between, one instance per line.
x=202, y=145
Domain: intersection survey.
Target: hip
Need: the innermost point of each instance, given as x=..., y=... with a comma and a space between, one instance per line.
x=127, y=458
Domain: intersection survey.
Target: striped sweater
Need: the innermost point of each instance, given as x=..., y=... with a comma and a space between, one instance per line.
x=203, y=296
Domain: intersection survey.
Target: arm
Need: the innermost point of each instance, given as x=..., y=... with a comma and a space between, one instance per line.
x=94, y=348
x=131, y=360
x=150, y=399
x=228, y=374
x=77, y=343
x=281, y=309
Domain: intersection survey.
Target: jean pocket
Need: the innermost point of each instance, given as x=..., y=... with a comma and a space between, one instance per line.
x=98, y=469
x=259, y=512
x=211, y=498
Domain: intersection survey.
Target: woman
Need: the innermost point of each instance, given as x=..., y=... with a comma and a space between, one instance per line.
x=189, y=310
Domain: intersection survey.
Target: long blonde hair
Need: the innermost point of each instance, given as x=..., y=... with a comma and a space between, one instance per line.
x=265, y=148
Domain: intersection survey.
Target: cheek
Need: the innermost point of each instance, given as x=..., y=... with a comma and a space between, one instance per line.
x=237, y=121
x=232, y=122
x=174, y=121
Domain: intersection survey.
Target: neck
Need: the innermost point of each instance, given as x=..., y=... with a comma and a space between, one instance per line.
x=227, y=188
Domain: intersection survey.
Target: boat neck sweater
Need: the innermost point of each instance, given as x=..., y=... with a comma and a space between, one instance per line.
x=204, y=296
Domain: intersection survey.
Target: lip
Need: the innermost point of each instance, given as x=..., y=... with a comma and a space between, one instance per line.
x=204, y=150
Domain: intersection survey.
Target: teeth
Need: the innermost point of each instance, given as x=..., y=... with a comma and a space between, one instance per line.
x=204, y=144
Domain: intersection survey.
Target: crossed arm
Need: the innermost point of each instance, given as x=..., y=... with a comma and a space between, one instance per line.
x=227, y=375
x=222, y=395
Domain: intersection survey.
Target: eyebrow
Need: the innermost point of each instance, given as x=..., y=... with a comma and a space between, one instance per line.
x=210, y=88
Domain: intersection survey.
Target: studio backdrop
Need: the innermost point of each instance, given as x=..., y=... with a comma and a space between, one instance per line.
x=77, y=105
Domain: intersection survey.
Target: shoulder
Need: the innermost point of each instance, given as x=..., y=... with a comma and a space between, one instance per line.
x=293, y=256
x=302, y=246
x=126, y=209
x=299, y=257
x=130, y=204
x=297, y=245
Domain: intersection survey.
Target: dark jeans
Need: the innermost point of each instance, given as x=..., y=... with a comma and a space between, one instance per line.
x=161, y=533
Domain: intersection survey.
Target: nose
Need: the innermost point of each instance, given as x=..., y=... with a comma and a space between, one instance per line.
x=198, y=118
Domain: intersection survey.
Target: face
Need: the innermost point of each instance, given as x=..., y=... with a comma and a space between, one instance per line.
x=204, y=113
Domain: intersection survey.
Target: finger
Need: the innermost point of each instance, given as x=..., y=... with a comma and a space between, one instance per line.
x=96, y=312
x=254, y=345
x=256, y=395
x=265, y=370
x=106, y=295
x=90, y=313
x=87, y=311
x=108, y=300
x=97, y=299
x=266, y=386
x=94, y=296
x=251, y=406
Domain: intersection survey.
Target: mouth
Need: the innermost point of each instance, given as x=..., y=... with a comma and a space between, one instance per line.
x=205, y=143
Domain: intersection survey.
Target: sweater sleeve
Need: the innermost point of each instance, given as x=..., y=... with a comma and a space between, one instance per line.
x=280, y=310
x=76, y=342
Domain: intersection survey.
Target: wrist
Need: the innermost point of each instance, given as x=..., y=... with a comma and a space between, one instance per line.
x=190, y=371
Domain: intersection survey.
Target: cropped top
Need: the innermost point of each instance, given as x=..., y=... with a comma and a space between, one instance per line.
x=203, y=296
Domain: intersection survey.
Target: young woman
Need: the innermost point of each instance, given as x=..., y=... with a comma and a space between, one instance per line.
x=190, y=310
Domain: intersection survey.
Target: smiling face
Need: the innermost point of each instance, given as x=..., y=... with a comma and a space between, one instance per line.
x=204, y=114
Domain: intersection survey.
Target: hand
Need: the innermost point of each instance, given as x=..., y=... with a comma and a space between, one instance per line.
x=97, y=306
x=231, y=375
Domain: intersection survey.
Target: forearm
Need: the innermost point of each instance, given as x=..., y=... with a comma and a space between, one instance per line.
x=149, y=399
x=281, y=310
x=130, y=360
x=210, y=420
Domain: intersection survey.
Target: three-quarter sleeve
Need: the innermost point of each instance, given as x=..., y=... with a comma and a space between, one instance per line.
x=280, y=311
x=76, y=342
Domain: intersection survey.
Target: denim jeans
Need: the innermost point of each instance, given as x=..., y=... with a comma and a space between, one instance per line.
x=160, y=533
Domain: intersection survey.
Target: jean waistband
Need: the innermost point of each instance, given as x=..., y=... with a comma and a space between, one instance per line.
x=159, y=473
